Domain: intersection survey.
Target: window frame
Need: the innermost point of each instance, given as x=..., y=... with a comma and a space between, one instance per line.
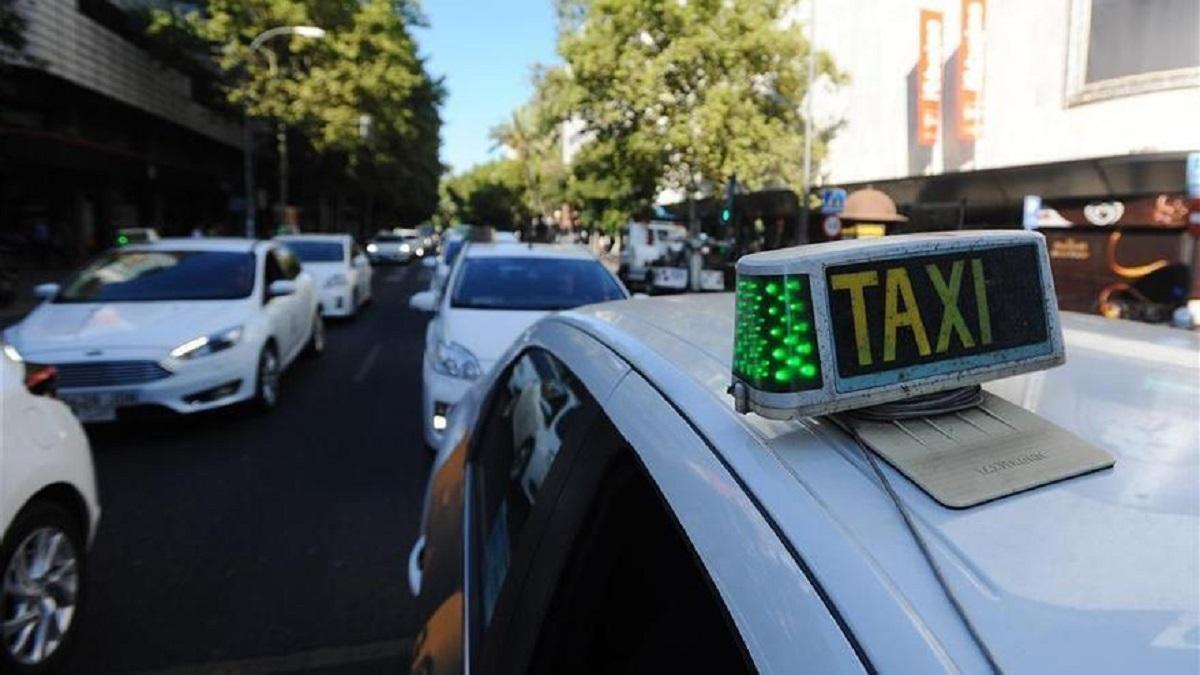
x=1080, y=92
x=475, y=633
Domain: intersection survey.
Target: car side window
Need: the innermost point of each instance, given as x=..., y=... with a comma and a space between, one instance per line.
x=289, y=264
x=537, y=411
x=272, y=272
x=633, y=596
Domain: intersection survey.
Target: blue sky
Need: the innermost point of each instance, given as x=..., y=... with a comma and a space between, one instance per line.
x=484, y=49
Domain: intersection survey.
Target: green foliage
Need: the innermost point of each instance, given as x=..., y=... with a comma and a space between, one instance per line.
x=363, y=75
x=680, y=94
x=492, y=194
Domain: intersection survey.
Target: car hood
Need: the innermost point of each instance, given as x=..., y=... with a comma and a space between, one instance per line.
x=488, y=333
x=60, y=328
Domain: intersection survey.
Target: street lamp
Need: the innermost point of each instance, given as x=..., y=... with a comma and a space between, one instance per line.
x=256, y=45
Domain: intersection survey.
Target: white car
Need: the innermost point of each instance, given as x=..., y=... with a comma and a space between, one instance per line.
x=339, y=268
x=49, y=511
x=393, y=247
x=452, y=245
x=183, y=324
x=495, y=292
x=678, y=531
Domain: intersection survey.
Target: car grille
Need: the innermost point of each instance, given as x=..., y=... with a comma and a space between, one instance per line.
x=108, y=373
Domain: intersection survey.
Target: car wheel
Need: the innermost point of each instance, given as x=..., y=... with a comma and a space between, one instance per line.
x=43, y=559
x=354, y=302
x=267, y=387
x=316, y=340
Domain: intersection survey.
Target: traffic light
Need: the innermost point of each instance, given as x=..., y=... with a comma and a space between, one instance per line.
x=727, y=207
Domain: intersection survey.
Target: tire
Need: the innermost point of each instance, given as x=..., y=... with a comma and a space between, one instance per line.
x=316, y=339
x=354, y=303
x=51, y=595
x=266, y=385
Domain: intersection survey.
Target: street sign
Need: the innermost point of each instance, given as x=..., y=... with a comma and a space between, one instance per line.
x=833, y=200
x=832, y=226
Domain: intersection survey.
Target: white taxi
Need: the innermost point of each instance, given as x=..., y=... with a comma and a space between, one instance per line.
x=339, y=269
x=186, y=325
x=49, y=511
x=492, y=294
x=805, y=477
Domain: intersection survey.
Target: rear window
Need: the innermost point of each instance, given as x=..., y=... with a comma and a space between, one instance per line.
x=149, y=276
x=533, y=284
x=317, y=251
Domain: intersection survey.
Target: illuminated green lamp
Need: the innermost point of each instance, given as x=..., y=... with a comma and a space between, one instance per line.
x=122, y=240
x=775, y=345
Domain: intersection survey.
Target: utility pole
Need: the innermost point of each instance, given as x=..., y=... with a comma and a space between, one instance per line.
x=806, y=182
x=281, y=132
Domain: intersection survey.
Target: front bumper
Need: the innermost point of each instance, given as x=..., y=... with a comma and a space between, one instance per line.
x=437, y=389
x=209, y=382
x=395, y=256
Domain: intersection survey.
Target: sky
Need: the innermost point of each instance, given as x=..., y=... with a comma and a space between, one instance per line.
x=485, y=50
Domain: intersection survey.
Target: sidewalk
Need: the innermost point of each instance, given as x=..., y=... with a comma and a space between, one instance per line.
x=26, y=300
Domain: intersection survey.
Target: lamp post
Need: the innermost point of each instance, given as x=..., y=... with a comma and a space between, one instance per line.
x=281, y=135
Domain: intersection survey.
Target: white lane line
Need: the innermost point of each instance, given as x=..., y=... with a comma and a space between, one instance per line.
x=327, y=658
x=367, y=363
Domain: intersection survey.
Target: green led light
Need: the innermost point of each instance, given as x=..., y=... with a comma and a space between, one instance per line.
x=122, y=240
x=773, y=350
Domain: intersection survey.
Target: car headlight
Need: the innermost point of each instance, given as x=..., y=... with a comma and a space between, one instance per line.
x=12, y=353
x=208, y=344
x=335, y=281
x=404, y=248
x=456, y=360
x=372, y=248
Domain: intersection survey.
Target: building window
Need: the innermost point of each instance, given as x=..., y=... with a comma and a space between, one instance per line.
x=1125, y=47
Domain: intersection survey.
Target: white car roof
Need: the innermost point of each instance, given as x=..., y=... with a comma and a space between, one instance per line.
x=228, y=244
x=1095, y=573
x=506, y=249
x=339, y=238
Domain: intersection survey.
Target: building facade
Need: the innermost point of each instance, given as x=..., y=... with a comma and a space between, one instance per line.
x=98, y=133
x=1075, y=117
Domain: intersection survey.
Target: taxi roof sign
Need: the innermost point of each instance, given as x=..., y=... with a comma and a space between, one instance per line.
x=830, y=327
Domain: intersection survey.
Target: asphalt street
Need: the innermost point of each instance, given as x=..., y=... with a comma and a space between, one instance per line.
x=244, y=543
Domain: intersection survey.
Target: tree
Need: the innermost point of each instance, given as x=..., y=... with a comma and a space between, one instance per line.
x=682, y=94
x=493, y=193
x=361, y=96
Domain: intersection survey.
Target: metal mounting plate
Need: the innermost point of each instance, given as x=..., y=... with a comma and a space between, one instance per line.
x=984, y=453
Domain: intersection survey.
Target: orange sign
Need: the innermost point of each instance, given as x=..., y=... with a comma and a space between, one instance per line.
x=970, y=70
x=929, y=77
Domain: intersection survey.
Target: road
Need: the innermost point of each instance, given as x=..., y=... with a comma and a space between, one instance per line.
x=235, y=542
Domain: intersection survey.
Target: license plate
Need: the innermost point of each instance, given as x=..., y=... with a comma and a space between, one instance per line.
x=922, y=315
x=100, y=407
x=670, y=277
x=712, y=280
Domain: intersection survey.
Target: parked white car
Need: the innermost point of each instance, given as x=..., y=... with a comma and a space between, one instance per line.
x=494, y=292
x=339, y=268
x=49, y=511
x=185, y=324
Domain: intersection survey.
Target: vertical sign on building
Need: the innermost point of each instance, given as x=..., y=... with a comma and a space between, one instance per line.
x=929, y=77
x=970, y=70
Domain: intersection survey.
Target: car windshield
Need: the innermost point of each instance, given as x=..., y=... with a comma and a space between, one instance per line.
x=532, y=284
x=148, y=276
x=390, y=238
x=317, y=251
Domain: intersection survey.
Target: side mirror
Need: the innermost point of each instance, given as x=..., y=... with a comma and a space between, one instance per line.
x=46, y=291
x=424, y=301
x=281, y=287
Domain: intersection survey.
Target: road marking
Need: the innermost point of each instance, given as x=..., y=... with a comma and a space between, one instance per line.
x=327, y=658
x=367, y=364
